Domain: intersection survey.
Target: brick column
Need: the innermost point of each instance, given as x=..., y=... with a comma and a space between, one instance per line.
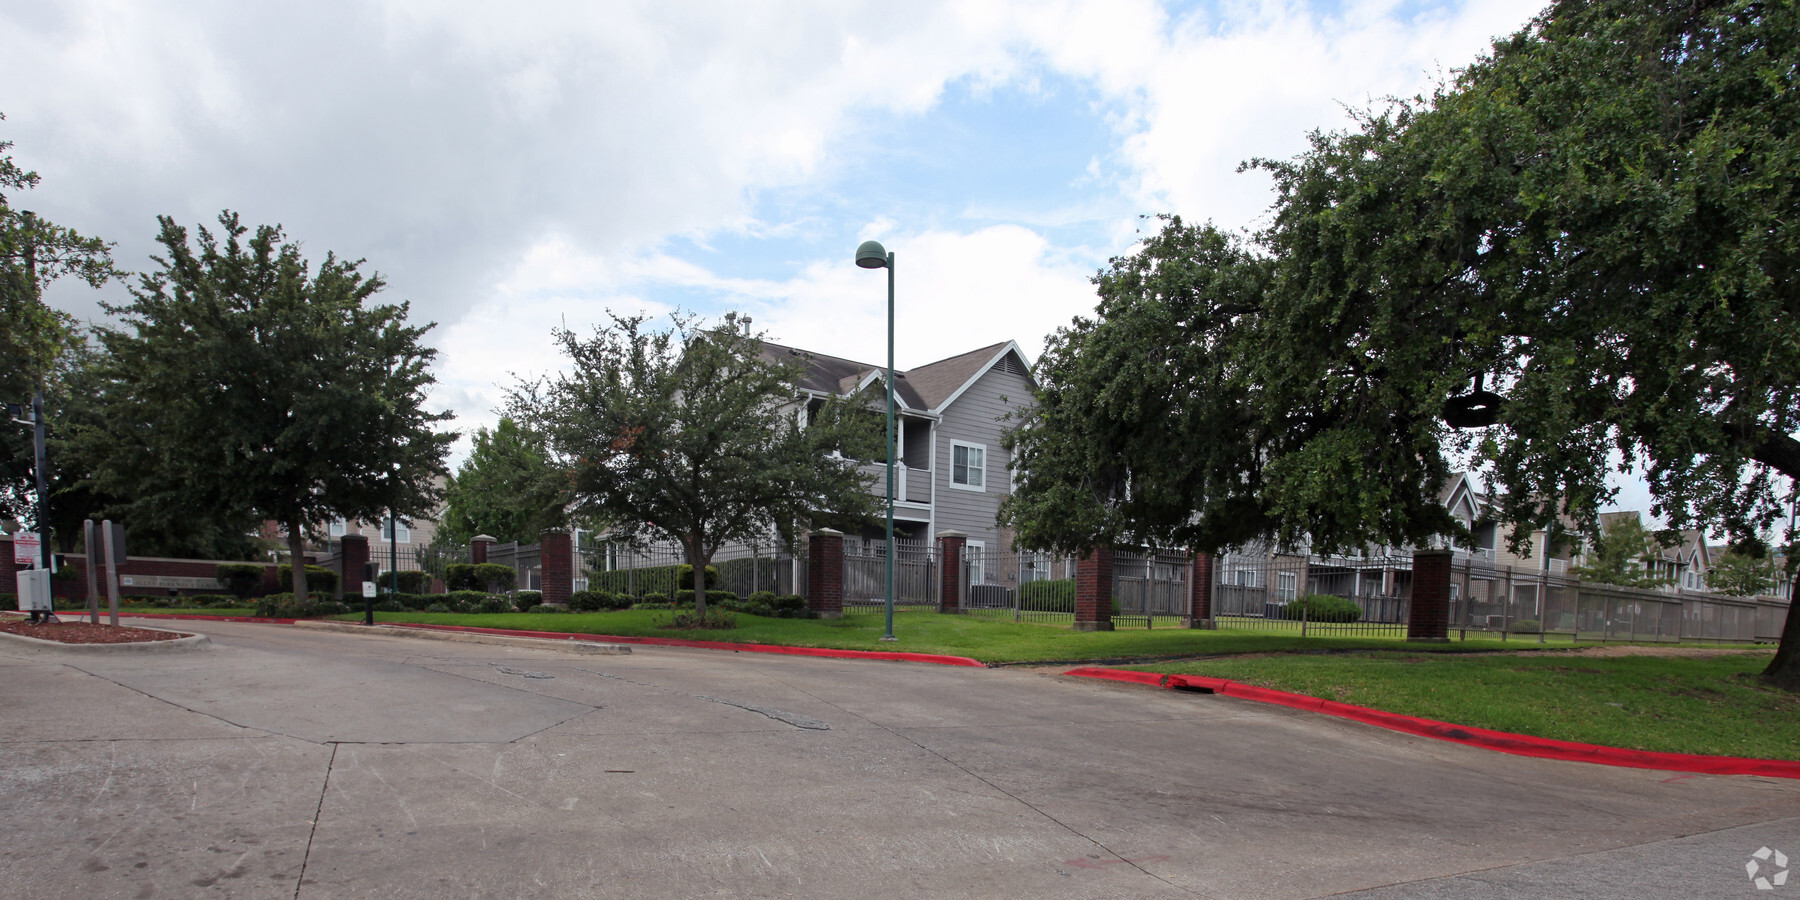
x=557, y=557
x=1094, y=591
x=953, y=548
x=1200, y=591
x=478, y=548
x=353, y=553
x=825, y=573
x=1429, y=617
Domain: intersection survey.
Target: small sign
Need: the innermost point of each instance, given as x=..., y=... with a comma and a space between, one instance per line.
x=369, y=589
x=26, y=547
x=178, y=582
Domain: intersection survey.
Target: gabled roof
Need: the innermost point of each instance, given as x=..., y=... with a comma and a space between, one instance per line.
x=929, y=387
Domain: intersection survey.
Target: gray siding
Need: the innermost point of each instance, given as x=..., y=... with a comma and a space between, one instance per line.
x=975, y=418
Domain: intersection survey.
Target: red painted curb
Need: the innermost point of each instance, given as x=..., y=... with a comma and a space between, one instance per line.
x=893, y=656
x=1504, y=742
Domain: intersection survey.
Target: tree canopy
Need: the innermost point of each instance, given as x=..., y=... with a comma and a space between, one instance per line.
x=508, y=488
x=691, y=435
x=1599, y=221
x=34, y=339
x=247, y=386
x=1624, y=553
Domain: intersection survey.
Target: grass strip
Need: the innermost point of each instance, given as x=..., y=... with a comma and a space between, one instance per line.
x=1713, y=705
x=925, y=631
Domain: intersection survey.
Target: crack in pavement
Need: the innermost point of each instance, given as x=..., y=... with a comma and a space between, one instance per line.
x=317, y=814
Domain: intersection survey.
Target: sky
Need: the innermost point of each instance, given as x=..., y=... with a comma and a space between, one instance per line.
x=515, y=168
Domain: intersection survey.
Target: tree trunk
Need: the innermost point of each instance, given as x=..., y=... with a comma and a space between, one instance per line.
x=297, y=559
x=697, y=557
x=1784, y=670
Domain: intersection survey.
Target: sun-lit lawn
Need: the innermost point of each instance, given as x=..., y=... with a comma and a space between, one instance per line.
x=1712, y=705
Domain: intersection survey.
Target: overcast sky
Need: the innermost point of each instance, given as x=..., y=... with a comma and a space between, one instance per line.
x=512, y=167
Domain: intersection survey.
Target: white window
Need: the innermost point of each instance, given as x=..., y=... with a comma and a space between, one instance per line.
x=338, y=528
x=1287, y=585
x=388, y=529
x=977, y=555
x=968, y=466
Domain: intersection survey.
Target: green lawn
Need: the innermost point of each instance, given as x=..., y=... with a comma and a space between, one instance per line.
x=923, y=631
x=1712, y=705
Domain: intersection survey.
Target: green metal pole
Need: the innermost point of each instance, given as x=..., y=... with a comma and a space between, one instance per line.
x=890, y=454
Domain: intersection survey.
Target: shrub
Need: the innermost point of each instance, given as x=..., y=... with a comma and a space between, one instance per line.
x=1058, y=593
x=318, y=578
x=241, y=579
x=494, y=603
x=766, y=598
x=1525, y=626
x=437, y=608
x=650, y=579
x=525, y=600
x=656, y=598
x=212, y=601
x=718, y=597
x=415, y=582
x=283, y=606
x=1322, y=608
x=461, y=577
x=495, y=577
x=390, y=605
x=415, y=602
x=684, y=577
x=711, y=619
x=653, y=604
x=595, y=601
x=554, y=610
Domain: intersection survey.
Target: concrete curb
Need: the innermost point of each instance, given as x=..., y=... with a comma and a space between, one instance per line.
x=782, y=649
x=1502, y=741
x=185, y=643
x=594, y=648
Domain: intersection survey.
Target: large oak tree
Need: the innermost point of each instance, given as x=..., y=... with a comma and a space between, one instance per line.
x=1600, y=220
x=247, y=385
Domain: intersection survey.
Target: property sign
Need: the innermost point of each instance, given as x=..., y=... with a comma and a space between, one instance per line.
x=26, y=547
x=171, y=581
x=368, y=589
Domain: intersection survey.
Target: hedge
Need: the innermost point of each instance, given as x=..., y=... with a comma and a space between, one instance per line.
x=1322, y=608
x=241, y=579
x=650, y=579
x=318, y=578
x=479, y=577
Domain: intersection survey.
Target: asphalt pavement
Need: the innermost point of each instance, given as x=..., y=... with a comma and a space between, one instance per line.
x=284, y=762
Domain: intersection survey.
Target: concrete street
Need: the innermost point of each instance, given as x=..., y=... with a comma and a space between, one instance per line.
x=289, y=763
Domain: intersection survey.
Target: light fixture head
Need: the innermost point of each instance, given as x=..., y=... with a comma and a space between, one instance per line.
x=871, y=255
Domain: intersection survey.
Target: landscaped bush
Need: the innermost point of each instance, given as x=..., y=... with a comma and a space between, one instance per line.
x=412, y=582
x=553, y=610
x=318, y=578
x=596, y=601
x=1045, y=595
x=766, y=603
x=688, y=619
x=460, y=577
x=1525, y=626
x=744, y=574
x=1322, y=608
x=525, y=600
x=241, y=579
x=649, y=580
x=390, y=605
x=484, y=577
x=283, y=606
x=210, y=601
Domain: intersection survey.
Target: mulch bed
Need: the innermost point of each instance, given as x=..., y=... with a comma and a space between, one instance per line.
x=84, y=632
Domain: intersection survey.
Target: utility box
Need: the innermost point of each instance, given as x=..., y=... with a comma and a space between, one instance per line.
x=34, y=590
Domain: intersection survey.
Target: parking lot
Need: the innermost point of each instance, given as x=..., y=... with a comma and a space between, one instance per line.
x=287, y=762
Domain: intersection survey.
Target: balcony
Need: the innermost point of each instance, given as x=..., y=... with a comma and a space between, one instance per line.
x=911, y=485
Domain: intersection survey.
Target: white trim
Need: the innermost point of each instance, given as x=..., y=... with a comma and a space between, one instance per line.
x=1011, y=347
x=977, y=570
x=970, y=445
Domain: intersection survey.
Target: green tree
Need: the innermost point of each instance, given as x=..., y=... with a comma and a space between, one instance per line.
x=246, y=386
x=1737, y=573
x=1623, y=554
x=34, y=338
x=1596, y=220
x=508, y=488
x=691, y=435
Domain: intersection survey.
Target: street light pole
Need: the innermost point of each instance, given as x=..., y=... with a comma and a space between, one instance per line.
x=871, y=255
